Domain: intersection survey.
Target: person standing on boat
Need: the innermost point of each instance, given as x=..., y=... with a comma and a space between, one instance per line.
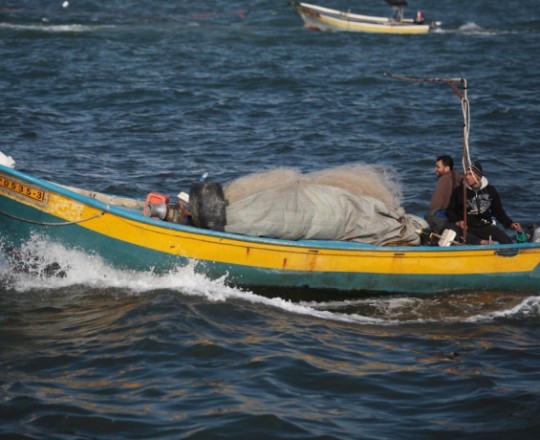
x=447, y=180
x=483, y=204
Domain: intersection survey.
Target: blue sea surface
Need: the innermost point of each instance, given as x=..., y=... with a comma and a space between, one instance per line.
x=128, y=97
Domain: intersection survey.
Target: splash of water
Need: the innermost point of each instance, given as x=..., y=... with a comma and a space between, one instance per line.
x=50, y=266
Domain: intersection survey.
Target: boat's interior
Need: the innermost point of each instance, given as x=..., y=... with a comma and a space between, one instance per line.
x=124, y=202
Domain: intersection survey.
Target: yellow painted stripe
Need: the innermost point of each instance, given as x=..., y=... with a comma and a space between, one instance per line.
x=366, y=27
x=473, y=261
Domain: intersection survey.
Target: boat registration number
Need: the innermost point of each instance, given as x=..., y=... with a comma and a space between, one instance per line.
x=22, y=189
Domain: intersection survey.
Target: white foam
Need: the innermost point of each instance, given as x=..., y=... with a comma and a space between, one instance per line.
x=529, y=308
x=52, y=28
x=471, y=28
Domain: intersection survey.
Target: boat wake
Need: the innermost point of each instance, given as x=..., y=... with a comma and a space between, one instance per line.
x=42, y=266
x=53, y=28
x=471, y=28
x=458, y=307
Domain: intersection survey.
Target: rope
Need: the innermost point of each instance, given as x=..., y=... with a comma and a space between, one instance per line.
x=51, y=224
x=466, y=158
x=465, y=108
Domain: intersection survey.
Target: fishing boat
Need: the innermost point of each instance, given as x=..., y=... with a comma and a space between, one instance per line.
x=142, y=234
x=116, y=229
x=320, y=18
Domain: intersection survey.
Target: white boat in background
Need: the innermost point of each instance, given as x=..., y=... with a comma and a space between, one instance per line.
x=325, y=19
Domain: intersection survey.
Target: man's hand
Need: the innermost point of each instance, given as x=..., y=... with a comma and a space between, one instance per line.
x=516, y=227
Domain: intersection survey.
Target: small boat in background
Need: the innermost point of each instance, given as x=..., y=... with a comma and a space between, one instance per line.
x=325, y=19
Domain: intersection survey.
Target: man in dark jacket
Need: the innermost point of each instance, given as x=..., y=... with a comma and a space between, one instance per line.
x=483, y=203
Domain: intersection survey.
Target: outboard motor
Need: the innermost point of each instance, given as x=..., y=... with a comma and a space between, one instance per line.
x=156, y=206
x=159, y=206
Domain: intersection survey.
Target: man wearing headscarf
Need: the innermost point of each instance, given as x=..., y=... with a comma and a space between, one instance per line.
x=483, y=203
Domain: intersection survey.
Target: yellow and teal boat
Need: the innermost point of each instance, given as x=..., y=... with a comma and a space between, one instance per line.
x=116, y=229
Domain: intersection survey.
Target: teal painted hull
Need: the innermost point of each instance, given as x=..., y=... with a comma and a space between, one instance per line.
x=124, y=255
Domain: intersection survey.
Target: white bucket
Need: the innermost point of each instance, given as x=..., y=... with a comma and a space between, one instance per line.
x=447, y=237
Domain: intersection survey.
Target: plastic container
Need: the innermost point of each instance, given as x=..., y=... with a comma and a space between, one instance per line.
x=521, y=237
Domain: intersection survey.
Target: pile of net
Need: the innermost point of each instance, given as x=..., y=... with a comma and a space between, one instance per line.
x=357, y=202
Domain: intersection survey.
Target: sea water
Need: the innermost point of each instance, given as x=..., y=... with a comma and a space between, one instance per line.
x=130, y=98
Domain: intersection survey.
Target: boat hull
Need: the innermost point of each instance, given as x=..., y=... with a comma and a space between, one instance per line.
x=324, y=19
x=125, y=238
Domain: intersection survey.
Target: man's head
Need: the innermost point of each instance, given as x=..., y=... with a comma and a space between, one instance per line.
x=474, y=173
x=443, y=165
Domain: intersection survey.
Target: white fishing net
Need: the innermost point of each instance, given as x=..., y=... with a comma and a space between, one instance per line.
x=356, y=202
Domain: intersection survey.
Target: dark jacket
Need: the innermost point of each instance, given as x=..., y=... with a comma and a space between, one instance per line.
x=482, y=205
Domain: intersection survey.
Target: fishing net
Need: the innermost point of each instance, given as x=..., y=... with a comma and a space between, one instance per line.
x=357, y=202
